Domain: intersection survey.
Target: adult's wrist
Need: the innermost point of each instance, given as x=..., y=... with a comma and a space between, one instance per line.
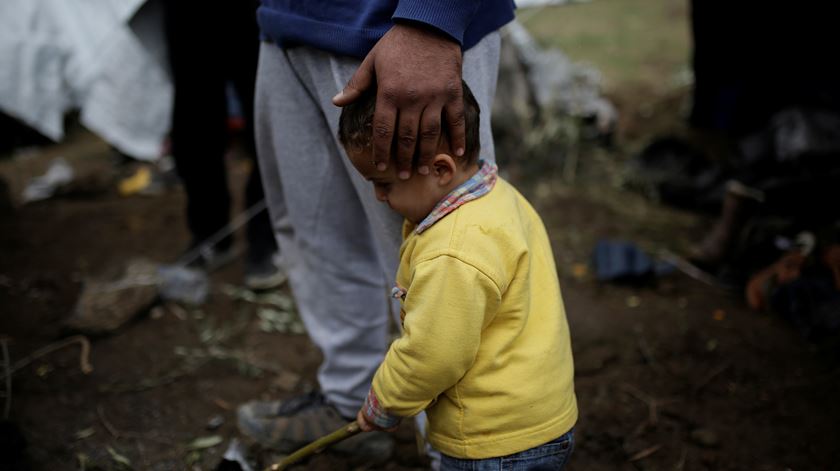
x=450, y=17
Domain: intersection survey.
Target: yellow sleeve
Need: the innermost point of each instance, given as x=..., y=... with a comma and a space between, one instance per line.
x=448, y=304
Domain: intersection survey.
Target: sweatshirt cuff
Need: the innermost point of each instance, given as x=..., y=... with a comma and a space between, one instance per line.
x=375, y=413
x=450, y=16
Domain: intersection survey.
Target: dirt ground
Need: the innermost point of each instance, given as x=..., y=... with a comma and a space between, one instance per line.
x=671, y=375
x=676, y=375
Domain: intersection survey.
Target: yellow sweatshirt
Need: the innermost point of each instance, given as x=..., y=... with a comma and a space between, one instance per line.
x=485, y=348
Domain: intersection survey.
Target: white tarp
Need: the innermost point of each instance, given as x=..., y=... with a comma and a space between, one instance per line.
x=59, y=55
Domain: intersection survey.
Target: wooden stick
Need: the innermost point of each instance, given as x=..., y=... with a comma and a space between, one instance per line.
x=84, y=355
x=317, y=446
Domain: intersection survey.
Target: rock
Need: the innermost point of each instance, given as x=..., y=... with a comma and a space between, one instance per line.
x=704, y=437
x=215, y=422
x=105, y=305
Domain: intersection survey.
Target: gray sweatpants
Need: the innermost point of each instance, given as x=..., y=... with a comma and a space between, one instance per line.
x=339, y=245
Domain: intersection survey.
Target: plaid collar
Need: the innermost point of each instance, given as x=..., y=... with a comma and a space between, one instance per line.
x=477, y=186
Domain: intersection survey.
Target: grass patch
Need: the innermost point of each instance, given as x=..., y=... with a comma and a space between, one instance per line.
x=636, y=44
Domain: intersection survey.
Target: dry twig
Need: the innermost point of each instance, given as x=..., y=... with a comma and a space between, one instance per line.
x=132, y=435
x=709, y=377
x=110, y=428
x=653, y=406
x=651, y=403
x=84, y=355
x=645, y=453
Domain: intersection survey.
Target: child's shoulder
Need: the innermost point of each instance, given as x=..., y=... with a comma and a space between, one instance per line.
x=490, y=233
x=503, y=207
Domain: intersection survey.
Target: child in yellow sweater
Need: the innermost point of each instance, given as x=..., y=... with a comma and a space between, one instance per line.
x=485, y=349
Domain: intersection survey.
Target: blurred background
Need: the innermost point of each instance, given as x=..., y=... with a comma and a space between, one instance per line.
x=683, y=155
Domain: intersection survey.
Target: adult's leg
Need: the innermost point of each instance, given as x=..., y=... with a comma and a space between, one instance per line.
x=480, y=71
x=322, y=230
x=241, y=51
x=198, y=122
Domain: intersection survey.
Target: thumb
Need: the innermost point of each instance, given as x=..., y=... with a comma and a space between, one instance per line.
x=361, y=80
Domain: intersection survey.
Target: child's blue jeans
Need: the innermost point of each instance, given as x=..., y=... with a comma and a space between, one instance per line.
x=551, y=456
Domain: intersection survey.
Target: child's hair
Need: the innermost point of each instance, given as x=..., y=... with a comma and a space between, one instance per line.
x=355, y=129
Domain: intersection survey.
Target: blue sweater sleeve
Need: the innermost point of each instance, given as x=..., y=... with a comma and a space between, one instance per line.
x=450, y=16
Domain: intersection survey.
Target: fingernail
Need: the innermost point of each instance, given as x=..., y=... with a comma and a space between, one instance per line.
x=423, y=170
x=338, y=95
x=404, y=175
x=459, y=151
x=381, y=166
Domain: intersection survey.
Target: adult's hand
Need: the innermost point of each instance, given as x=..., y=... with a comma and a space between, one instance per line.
x=417, y=71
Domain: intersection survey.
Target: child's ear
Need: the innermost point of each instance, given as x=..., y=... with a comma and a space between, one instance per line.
x=443, y=167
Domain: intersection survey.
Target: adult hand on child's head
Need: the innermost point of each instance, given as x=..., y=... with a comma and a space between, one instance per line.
x=417, y=71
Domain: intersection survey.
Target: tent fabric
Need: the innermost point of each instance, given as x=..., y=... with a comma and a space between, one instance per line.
x=105, y=58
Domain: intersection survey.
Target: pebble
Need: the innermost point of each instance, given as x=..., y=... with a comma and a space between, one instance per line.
x=215, y=422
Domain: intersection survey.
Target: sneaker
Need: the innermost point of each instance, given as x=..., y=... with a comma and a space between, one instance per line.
x=263, y=273
x=286, y=426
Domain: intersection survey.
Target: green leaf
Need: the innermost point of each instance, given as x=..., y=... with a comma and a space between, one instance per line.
x=205, y=442
x=122, y=460
x=84, y=433
x=193, y=457
x=83, y=461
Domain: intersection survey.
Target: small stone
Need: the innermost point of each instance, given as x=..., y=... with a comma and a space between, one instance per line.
x=704, y=437
x=215, y=422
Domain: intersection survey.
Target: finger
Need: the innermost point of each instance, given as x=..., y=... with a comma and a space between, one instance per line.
x=361, y=80
x=408, y=123
x=384, y=120
x=429, y=137
x=454, y=110
x=363, y=423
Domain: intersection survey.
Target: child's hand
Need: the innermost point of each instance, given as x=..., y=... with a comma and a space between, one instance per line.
x=363, y=422
x=368, y=426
